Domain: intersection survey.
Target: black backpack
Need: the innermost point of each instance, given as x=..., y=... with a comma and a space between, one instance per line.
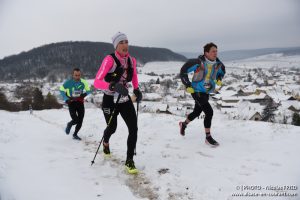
x=116, y=75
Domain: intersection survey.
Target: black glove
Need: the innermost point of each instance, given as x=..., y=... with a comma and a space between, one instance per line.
x=138, y=94
x=119, y=88
x=83, y=95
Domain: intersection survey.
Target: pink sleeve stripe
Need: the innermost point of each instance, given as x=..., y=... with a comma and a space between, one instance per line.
x=135, y=81
x=105, y=67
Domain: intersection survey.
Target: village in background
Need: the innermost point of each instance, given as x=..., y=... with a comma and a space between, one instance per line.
x=262, y=88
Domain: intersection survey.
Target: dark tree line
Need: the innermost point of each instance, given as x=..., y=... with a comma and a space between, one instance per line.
x=30, y=97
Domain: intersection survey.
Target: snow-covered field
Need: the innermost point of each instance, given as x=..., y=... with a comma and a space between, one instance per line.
x=266, y=61
x=38, y=161
x=162, y=67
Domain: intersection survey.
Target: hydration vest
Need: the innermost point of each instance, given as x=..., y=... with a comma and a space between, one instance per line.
x=199, y=74
x=116, y=75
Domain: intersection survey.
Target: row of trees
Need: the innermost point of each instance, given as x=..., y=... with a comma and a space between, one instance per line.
x=39, y=102
x=30, y=97
x=269, y=115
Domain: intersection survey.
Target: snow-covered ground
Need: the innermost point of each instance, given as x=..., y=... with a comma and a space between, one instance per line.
x=38, y=161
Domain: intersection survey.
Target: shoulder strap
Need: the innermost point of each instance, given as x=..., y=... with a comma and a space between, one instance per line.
x=116, y=59
x=129, y=62
x=119, y=63
x=201, y=62
x=219, y=64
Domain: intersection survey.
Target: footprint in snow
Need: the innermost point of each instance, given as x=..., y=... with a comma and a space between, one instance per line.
x=163, y=171
x=204, y=154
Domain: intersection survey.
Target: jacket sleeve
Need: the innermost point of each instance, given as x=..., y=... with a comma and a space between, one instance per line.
x=86, y=87
x=135, y=81
x=190, y=66
x=63, y=91
x=99, y=82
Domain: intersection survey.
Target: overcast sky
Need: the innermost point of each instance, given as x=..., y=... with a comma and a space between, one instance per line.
x=181, y=25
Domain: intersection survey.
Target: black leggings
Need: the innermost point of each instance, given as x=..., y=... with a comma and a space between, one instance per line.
x=202, y=104
x=76, y=110
x=127, y=112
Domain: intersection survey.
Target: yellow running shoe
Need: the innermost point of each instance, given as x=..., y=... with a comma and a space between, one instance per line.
x=130, y=167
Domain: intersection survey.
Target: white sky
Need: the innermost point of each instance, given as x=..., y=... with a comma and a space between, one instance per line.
x=182, y=26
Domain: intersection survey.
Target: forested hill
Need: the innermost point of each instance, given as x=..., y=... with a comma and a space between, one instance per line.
x=57, y=60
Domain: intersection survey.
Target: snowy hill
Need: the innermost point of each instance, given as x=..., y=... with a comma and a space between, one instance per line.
x=162, y=67
x=267, y=61
x=55, y=61
x=38, y=161
x=280, y=61
x=250, y=53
